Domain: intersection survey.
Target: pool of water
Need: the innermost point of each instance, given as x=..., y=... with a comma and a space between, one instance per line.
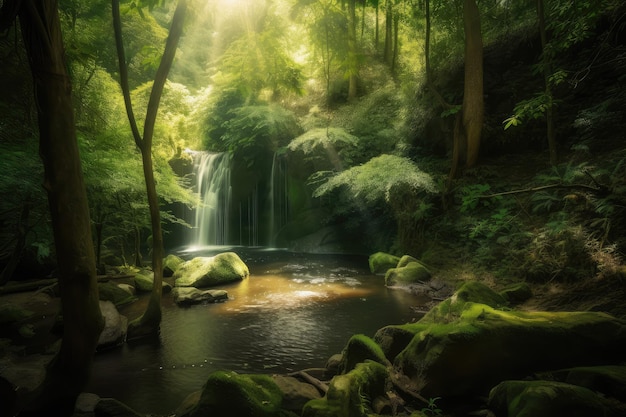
x=294, y=312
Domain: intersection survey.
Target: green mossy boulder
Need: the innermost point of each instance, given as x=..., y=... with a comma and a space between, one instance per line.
x=170, y=264
x=411, y=273
x=407, y=259
x=351, y=394
x=380, y=262
x=144, y=280
x=109, y=291
x=485, y=346
x=549, y=399
x=393, y=339
x=228, y=393
x=358, y=349
x=209, y=271
x=609, y=380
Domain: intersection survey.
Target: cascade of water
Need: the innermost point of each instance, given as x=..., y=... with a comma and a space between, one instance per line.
x=277, y=198
x=214, y=191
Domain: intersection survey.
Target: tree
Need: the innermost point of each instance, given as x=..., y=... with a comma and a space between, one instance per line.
x=473, y=102
x=69, y=211
x=150, y=321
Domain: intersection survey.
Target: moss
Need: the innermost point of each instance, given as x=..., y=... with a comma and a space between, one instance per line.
x=394, y=338
x=170, y=264
x=413, y=272
x=109, y=291
x=548, y=399
x=407, y=259
x=10, y=313
x=227, y=393
x=209, y=271
x=144, y=280
x=350, y=395
x=360, y=348
x=484, y=346
x=609, y=380
x=380, y=262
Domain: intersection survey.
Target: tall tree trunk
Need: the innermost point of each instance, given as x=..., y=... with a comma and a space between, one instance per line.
x=396, y=42
x=69, y=210
x=473, y=102
x=388, y=53
x=547, y=70
x=377, y=36
x=149, y=322
x=352, y=51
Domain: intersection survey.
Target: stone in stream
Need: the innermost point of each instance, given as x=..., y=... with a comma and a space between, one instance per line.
x=210, y=271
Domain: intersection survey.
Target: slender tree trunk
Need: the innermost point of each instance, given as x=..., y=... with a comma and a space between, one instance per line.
x=69, y=210
x=396, y=42
x=149, y=322
x=352, y=52
x=377, y=36
x=473, y=102
x=388, y=53
x=547, y=70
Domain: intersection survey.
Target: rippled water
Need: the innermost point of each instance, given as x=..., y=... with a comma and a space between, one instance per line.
x=294, y=312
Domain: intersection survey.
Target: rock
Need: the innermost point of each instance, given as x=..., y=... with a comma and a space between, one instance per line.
x=333, y=365
x=517, y=293
x=109, y=291
x=115, y=326
x=295, y=393
x=359, y=349
x=549, y=399
x=413, y=272
x=350, y=394
x=209, y=271
x=485, y=346
x=144, y=281
x=192, y=295
x=405, y=260
x=128, y=288
x=380, y=262
x=170, y=264
x=228, y=393
x=26, y=373
x=86, y=403
x=609, y=380
x=110, y=407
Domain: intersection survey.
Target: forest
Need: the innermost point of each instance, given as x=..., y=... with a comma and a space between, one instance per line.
x=464, y=161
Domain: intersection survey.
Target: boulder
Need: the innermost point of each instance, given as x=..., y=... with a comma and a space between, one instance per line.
x=227, y=393
x=110, y=407
x=351, y=394
x=170, y=264
x=517, y=293
x=359, y=349
x=109, y=291
x=115, y=326
x=380, y=262
x=295, y=393
x=405, y=260
x=549, y=399
x=485, y=346
x=411, y=273
x=192, y=295
x=209, y=271
x=11, y=313
x=144, y=281
x=609, y=380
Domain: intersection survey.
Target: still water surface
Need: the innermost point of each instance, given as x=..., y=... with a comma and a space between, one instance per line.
x=294, y=312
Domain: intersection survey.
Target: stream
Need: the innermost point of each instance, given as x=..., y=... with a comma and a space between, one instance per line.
x=294, y=312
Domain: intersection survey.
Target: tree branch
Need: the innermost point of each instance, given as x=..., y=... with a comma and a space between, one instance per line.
x=595, y=190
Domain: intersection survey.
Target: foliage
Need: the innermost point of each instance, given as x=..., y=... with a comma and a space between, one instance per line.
x=432, y=409
x=329, y=149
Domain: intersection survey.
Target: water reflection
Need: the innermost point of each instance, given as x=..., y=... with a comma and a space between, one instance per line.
x=286, y=316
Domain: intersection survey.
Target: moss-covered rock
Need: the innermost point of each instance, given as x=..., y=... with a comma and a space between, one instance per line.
x=351, y=394
x=380, y=262
x=407, y=259
x=549, y=399
x=170, y=264
x=485, y=346
x=358, y=349
x=609, y=380
x=11, y=313
x=109, y=291
x=228, y=393
x=209, y=271
x=393, y=339
x=295, y=393
x=411, y=273
x=192, y=295
x=144, y=280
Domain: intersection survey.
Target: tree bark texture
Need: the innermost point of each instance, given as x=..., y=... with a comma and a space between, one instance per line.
x=69, y=210
x=547, y=69
x=352, y=52
x=473, y=102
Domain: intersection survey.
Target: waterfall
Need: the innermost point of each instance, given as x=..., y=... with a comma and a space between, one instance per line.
x=277, y=199
x=214, y=192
